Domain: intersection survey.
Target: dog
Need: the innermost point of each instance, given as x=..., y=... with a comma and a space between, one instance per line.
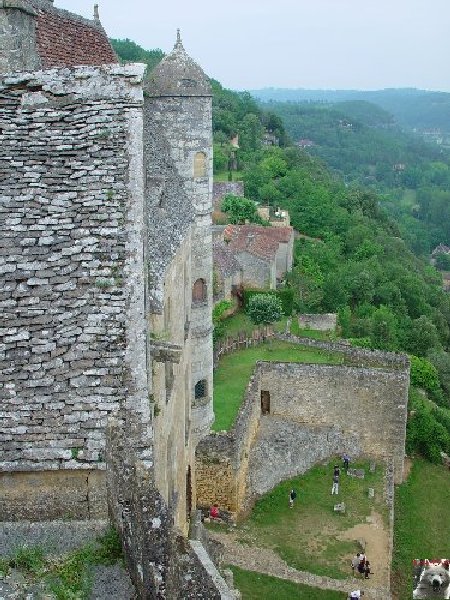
x=434, y=581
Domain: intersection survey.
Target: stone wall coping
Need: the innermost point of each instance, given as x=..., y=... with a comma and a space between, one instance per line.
x=211, y=569
x=83, y=82
x=296, y=366
x=387, y=359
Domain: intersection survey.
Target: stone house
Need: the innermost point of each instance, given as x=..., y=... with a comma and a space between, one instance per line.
x=264, y=253
x=106, y=279
x=228, y=275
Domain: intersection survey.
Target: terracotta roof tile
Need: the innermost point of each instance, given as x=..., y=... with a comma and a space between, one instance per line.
x=256, y=239
x=66, y=40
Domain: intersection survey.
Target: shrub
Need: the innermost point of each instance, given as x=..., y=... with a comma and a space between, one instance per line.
x=264, y=309
x=425, y=375
x=285, y=295
x=427, y=433
x=217, y=315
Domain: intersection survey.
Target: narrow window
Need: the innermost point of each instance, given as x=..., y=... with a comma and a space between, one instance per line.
x=200, y=164
x=199, y=291
x=169, y=380
x=201, y=389
x=265, y=403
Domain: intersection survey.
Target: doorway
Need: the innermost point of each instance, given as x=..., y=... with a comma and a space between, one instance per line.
x=265, y=403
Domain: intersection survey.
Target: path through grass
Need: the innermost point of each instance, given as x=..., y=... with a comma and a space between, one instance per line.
x=422, y=522
x=255, y=586
x=307, y=537
x=233, y=374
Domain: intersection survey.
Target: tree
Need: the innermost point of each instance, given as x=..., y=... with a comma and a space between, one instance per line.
x=240, y=209
x=422, y=336
x=384, y=329
x=443, y=262
x=264, y=309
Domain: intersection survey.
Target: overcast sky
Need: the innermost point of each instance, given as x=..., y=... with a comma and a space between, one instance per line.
x=337, y=44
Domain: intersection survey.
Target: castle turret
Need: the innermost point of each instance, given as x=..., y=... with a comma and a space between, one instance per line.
x=181, y=98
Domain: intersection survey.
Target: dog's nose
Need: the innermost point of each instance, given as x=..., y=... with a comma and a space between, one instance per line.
x=435, y=583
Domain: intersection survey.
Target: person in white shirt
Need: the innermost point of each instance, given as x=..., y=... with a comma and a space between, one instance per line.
x=356, y=594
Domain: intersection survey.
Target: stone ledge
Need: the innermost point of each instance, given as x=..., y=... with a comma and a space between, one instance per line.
x=165, y=352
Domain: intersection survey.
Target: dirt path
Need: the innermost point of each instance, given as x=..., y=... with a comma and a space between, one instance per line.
x=264, y=560
x=376, y=543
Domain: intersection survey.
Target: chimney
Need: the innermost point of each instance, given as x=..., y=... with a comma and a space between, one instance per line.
x=96, y=13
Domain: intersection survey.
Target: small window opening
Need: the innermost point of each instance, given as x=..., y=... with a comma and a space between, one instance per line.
x=201, y=389
x=200, y=164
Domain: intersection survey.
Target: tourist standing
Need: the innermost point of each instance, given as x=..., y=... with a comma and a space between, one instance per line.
x=292, y=497
x=355, y=562
x=346, y=459
x=335, y=488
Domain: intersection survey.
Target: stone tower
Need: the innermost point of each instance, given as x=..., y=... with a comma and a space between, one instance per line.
x=181, y=106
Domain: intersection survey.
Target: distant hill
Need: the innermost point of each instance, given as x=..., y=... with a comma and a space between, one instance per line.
x=412, y=108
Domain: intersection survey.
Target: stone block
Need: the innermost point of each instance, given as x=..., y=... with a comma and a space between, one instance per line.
x=359, y=473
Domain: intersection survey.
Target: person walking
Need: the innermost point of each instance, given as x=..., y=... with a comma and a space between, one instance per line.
x=346, y=459
x=335, y=488
x=356, y=594
x=362, y=564
x=367, y=570
x=337, y=470
x=355, y=562
x=292, y=497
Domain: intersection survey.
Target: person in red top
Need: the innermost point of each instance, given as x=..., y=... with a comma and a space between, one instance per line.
x=214, y=512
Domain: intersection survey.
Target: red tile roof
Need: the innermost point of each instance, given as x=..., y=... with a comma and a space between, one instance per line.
x=66, y=40
x=256, y=239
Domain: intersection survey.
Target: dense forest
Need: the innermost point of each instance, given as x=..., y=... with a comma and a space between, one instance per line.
x=363, y=144
x=411, y=108
x=355, y=262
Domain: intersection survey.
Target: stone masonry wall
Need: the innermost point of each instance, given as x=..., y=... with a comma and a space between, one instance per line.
x=256, y=272
x=367, y=404
x=65, y=184
x=316, y=411
x=220, y=188
x=17, y=37
x=321, y=322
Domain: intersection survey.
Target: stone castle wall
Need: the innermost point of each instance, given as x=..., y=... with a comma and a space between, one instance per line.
x=67, y=183
x=220, y=188
x=367, y=404
x=320, y=322
x=316, y=411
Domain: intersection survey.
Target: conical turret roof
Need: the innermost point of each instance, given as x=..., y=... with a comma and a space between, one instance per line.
x=178, y=75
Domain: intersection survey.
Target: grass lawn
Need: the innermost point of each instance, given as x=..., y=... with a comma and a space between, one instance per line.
x=422, y=522
x=306, y=537
x=233, y=374
x=240, y=321
x=255, y=586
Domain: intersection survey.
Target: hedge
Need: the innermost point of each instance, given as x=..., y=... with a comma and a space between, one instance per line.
x=286, y=297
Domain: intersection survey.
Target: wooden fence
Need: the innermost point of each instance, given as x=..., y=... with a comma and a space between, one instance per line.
x=242, y=340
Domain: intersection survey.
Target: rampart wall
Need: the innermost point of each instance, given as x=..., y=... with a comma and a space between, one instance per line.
x=315, y=412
